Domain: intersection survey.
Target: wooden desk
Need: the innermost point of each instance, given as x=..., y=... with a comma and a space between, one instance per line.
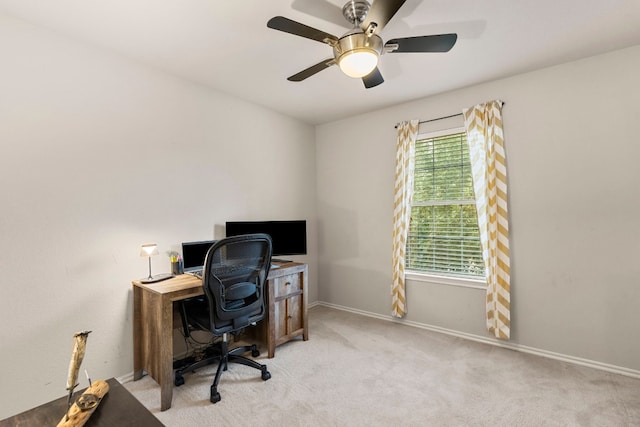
x=117, y=408
x=153, y=323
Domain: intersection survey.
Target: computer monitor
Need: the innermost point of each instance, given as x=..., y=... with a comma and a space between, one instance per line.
x=194, y=253
x=288, y=237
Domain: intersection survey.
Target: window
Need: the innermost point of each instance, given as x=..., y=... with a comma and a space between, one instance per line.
x=443, y=231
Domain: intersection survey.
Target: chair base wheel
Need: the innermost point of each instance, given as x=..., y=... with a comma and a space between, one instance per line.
x=215, y=396
x=266, y=375
x=178, y=380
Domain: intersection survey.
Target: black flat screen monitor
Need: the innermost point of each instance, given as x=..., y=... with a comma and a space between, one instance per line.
x=288, y=237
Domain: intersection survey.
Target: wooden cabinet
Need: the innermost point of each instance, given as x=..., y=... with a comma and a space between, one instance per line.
x=287, y=311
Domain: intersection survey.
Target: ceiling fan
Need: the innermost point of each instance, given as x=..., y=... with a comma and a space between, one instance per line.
x=358, y=50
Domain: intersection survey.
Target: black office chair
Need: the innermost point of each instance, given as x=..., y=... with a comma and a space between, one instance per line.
x=234, y=282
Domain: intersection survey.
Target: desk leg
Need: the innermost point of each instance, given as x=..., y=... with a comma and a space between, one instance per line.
x=271, y=319
x=166, y=354
x=153, y=341
x=137, y=333
x=305, y=300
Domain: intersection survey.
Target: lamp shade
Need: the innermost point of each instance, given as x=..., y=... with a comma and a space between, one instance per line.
x=149, y=249
x=358, y=63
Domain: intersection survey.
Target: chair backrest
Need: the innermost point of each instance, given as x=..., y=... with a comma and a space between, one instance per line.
x=234, y=281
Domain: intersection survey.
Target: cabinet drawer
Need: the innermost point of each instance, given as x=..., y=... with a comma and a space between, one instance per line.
x=286, y=285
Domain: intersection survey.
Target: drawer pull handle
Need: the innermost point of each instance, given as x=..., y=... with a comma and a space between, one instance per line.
x=287, y=284
x=290, y=316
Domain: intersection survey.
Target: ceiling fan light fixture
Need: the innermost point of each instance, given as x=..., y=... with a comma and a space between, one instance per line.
x=358, y=63
x=357, y=53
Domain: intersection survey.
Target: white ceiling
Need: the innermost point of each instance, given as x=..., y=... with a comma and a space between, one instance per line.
x=227, y=46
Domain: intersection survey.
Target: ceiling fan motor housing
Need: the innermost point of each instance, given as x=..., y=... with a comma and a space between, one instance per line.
x=355, y=11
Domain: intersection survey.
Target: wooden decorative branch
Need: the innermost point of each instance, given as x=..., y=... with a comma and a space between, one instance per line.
x=81, y=410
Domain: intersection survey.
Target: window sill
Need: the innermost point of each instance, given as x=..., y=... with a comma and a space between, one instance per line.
x=446, y=280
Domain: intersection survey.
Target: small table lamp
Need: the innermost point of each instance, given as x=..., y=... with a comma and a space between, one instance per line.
x=148, y=250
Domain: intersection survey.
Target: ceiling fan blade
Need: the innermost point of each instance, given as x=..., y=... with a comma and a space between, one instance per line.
x=292, y=27
x=381, y=13
x=435, y=43
x=312, y=70
x=372, y=79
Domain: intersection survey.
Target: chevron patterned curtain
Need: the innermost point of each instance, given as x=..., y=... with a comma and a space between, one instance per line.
x=483, y=124
x=403, y=192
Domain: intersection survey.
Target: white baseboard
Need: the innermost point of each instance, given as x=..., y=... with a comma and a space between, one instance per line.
x=125, y=378
x=512, y=346
x=316, y=303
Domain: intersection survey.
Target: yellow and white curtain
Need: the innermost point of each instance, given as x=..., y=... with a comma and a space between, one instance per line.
x=483, y=124
x=403, y=193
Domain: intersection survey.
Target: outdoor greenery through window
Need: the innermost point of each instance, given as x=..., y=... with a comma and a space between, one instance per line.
x=443, y=232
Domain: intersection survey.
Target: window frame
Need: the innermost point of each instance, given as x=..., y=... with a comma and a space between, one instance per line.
x=443, y=278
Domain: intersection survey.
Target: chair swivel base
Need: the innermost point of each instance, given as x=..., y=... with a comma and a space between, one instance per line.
x=215, y=395
x=233, y=356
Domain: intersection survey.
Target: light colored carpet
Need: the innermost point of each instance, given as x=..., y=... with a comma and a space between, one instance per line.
x=357, y=371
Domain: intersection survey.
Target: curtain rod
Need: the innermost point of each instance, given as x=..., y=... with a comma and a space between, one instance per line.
x=436, y=119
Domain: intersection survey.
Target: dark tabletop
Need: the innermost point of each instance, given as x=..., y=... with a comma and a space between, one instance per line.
x=117, y=408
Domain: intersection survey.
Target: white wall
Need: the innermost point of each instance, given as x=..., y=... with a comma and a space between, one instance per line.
x=571, y=135
x=98, y=155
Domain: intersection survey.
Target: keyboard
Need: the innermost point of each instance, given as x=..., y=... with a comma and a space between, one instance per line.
x=197, y=273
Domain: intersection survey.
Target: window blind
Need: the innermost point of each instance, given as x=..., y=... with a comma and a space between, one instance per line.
x=443, y=231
